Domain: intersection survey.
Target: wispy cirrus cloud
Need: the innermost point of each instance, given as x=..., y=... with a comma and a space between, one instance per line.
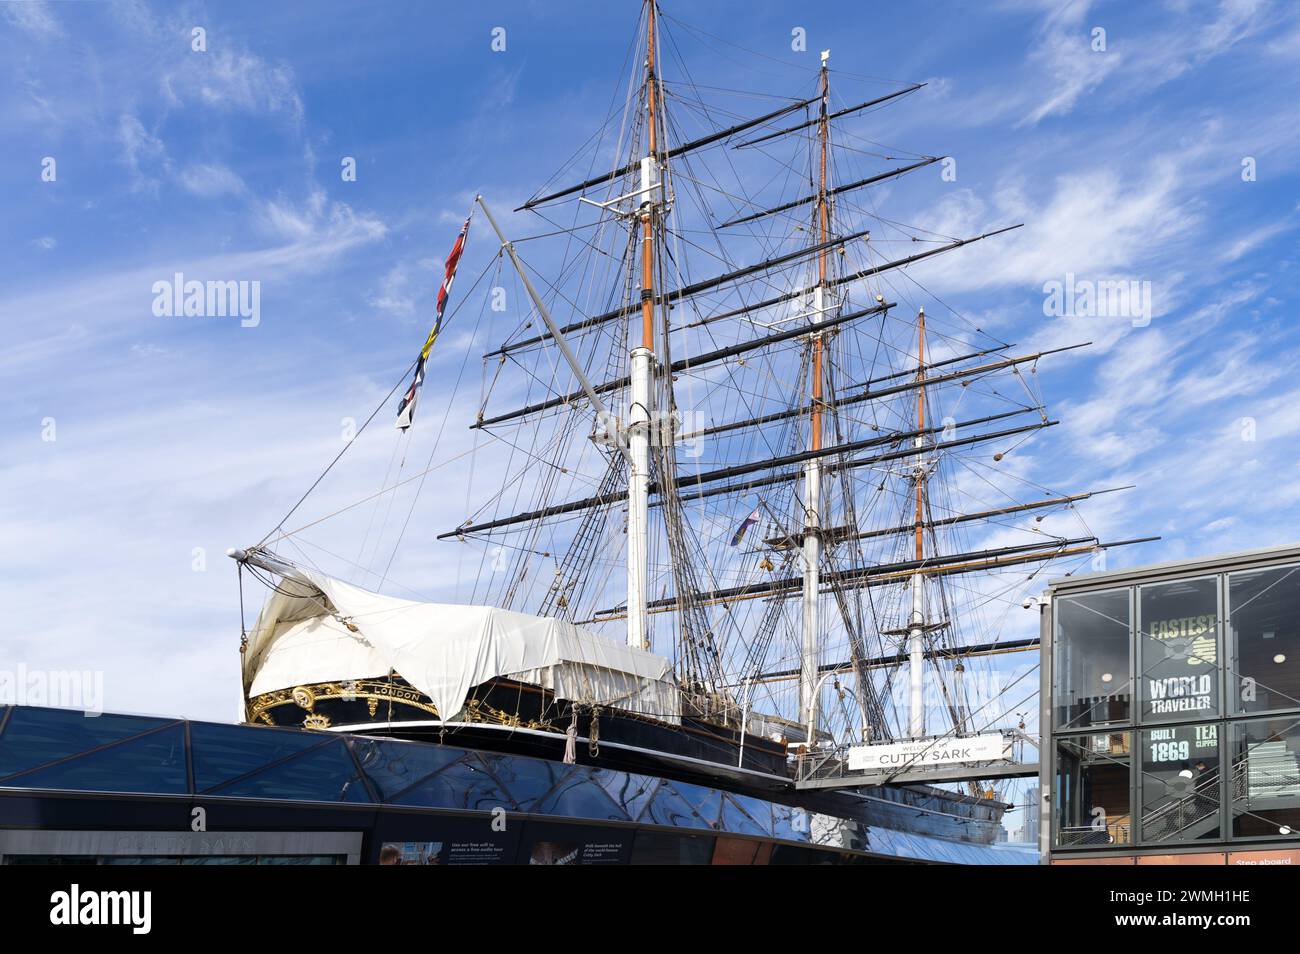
x=232, y=80
x=209, y=179
x=1063, y=51
x=36, y=18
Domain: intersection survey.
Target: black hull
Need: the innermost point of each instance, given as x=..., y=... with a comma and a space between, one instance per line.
x=520, y=719
x=390, y=706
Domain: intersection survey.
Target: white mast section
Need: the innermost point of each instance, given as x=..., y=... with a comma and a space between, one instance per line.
x=642, y=361
x=810, y=655
x=638, y=497
x=916, y=631
x=916, y=659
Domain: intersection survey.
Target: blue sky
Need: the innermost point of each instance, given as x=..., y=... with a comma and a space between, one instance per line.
x=176, y=435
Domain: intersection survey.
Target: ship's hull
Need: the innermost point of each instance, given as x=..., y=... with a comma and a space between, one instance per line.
x=503, y=715
x=525, y=719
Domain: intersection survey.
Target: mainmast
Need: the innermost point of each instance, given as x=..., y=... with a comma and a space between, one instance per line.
x=642, y=360
x=810, y=657
x=916, y=629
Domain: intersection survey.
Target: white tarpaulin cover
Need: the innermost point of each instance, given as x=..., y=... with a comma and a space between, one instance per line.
x=443, y=649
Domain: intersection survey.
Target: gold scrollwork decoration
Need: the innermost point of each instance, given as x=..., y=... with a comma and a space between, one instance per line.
x=308, y=697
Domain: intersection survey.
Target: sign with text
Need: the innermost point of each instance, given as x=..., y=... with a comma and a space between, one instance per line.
x=918, y=754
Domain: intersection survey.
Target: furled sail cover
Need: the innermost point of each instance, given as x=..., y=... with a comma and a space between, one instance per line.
x=443, y=649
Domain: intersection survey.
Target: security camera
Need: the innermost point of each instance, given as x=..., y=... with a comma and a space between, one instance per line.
x=1029, y=602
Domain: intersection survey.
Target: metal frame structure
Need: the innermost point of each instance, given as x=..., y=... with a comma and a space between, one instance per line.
x=1226, y=716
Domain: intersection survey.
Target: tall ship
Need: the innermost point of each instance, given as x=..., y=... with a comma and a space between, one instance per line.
x=738, y=500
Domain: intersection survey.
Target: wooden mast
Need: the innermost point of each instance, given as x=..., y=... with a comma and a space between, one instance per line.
x=810, y=657
x=823, y=230
x=642, y=369
x=917, y=626
x=647, y=207
x=920, y=425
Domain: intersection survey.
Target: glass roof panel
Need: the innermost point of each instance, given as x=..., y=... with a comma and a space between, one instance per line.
x=226, y=752
x=580, y=797
x=735, y=819
x=669, y=808
x=706, y=801
x=527, y=780
x=394, y=766
x=630, y=791
x=34, y=736
x=464, y=785
x=324, y=774
x=153, y=764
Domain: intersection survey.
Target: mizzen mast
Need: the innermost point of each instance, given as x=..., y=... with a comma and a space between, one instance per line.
x=810, y=657
x=917, y=626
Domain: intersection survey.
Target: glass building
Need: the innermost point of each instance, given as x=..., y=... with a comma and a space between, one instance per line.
x=124, y=789
x=1171, y=716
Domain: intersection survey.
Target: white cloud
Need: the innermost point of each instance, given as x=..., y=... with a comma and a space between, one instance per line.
x=148, y=351
x=143, y=153
x=1102, y=222
x=394, y=294
x=233, y=80
x=34, y=17
x=1063, y=49
x=1237, y=20
x=1186, y=39
x=211, y=179
x=316, y=225
x=1254, y=237
x=121, y=299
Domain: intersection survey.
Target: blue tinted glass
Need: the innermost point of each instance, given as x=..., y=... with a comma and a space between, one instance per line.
x=395, y=766
x=735, y=819
x=880, y=840
x=669, y=808
x=325, y=774
x=464, y=784
x=914, y=846
x=756, y=809
x=225, y=752
x=154, y=763
x=579, y=797
x=528, y=780
x=706, y=801
x=632, y=792
x=35, y=736
x=788, y=823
